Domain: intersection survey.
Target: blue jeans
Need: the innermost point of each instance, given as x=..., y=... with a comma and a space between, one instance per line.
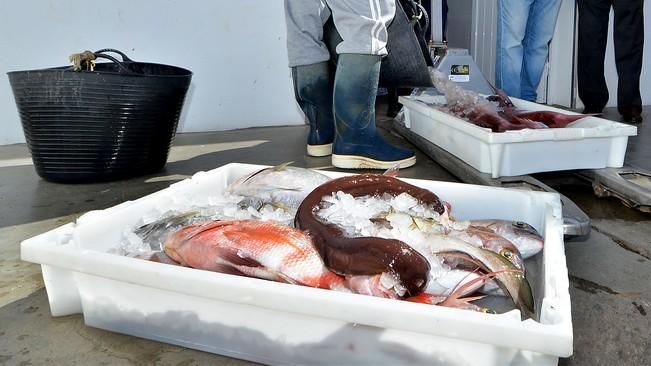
x=524, y=30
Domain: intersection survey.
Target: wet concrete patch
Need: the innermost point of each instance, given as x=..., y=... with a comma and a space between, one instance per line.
x=632, y=236
x=591, y=287
x=610, y=295
x=640, y=308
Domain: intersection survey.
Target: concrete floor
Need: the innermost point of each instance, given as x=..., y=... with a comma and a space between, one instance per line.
x=610, y=287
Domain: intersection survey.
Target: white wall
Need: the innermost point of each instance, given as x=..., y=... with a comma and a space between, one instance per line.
x=236, y=50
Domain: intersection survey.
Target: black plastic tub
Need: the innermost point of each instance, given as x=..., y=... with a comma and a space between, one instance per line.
x=117, y=121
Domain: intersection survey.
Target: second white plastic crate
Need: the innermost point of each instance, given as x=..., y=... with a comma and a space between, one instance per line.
x=589, y=143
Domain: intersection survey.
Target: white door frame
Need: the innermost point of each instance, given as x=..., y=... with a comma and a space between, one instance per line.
x=561, y=77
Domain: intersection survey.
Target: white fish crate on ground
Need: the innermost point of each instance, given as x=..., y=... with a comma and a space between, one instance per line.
x=589, y=143
x=277, y=323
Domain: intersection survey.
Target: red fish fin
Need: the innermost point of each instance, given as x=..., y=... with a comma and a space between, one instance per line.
x=425, y=298
x=232, y=262
x=286, y=278
x=474, y=298
x=232, y=257
x=393, y=171
x=228, y=269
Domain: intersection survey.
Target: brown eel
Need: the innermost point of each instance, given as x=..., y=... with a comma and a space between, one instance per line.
x=367, y=255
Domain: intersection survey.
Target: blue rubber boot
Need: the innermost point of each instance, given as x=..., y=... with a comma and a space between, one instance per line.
x=313, y=91
x=358, y=144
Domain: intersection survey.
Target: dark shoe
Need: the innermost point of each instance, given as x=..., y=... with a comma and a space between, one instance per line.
x=313, y=91
x=358, y=144
x=631, y=114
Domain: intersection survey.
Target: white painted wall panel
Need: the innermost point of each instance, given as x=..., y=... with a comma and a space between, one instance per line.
x=236, y=50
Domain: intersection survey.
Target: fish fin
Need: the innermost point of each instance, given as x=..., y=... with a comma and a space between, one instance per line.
x=291, y=189
x=250, y=201
x=231, y=257
x=474, y=298
x=426, y=298
x=455, y=298
x=393, y=171
x=259, y=272
x=281, y=167
x=280, y=205
x=286, y=278
x=242, y=181
x=165, y=222
x=271, y=188
x=228, y=269
x=463, y=256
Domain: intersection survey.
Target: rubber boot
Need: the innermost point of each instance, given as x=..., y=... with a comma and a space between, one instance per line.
x=313, y=91
x=358, y=144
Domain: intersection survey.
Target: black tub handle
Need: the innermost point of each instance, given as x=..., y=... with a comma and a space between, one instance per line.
x=125, y=58
x=120, y=64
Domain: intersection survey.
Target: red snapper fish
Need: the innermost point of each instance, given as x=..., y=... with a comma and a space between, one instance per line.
x=253, y=248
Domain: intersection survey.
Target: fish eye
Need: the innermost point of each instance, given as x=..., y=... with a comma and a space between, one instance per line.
x=488, y=311
x=506, y=253
x=520, y=224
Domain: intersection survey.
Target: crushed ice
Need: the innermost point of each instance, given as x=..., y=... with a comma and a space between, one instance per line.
x=400, y=217
x=223, y=206
x=382, y=216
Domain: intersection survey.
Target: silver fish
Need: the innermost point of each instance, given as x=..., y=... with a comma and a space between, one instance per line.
x=155, y=233
x=489, y=239
x=282, y=186
x=528, y=241
x=511, y=279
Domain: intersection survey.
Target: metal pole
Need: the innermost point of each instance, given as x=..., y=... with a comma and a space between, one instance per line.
x=436, y=20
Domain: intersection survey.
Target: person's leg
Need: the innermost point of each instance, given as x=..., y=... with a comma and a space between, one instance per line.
x=363, y=28
x=304, y=20
x=540, y=30
x=362, y=25
x=629, y=43
x=313, y=91
x=511, y=25
x=308, y=58
x=591, y=52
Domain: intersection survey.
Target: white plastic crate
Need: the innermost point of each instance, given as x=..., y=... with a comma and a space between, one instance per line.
x=278, y=323
x=589, y=143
